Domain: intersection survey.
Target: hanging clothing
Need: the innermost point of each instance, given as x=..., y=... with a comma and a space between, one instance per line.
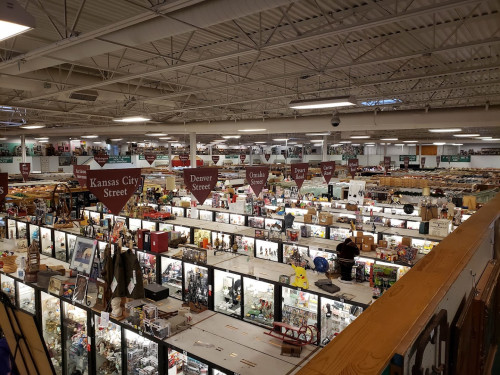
x=133, y=273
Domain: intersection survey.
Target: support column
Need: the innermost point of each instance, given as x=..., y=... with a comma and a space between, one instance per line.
x=251, y=154
x=385, y=149
x=303, y=155
x=192, y=149
x=23, y=148
x=324, y=149
x=169, y=155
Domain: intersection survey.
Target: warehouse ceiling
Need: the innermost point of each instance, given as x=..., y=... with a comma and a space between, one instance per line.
x=186, y=62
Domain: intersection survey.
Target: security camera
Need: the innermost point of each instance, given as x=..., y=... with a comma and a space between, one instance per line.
x=335, y=120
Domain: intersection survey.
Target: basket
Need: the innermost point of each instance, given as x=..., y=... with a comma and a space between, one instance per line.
x=9, y=263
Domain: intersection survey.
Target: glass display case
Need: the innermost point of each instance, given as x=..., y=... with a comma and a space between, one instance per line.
x=151, y=225
x=141, y=354
x=22, y=235
x=178, y=211
x=171, y=276
x=51, y=328
x=221, y=241
x=148, y=267
x=134, y=224
x=202, y=237
x=227, y=293
x=9, y=287
x=335, y=317
x=236, y=219
x=218, y=372
x=75, y=339
x=94, y=215
x=46, y=241
x=26, y=298
x=318, y=231
x=268, y=223
x=60, y=245
x=71, y=238
x=206, y=215
x=196, y=286
x=176, y=362
x=266, y=250
x=222, y=217
x=246, y=245
x=194, y=367
x=184, y=231
x=294, y=254
x=165, y=227
x=415, y=225
x=296, y=211
x=34, y=231
x=299, y=308
x=256, y=222
x=339, y=234
x=11, y=228
x=108, y=347
x=329, y=256
x=192, y=213
x=110, y=218
x=258, y=297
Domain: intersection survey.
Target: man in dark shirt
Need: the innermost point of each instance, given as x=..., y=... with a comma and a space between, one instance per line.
x=346, y=251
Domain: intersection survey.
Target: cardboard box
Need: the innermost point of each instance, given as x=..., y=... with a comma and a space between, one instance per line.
x=439, y=227
x=374, y=247
x=359, y=233
x=406, y=241
x=185, y=204
x=358, y=240
x=325, y=218
x=159, y=242
x=366, y=247
x=382, y=243
x=368, y=240
x=311, y=210
x=308, y=218
x=140, y=238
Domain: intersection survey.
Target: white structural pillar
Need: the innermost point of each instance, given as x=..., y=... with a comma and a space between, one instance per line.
x=192, y=149
x=23, y=148
x=385, y=149
x=169, y=155
x=251, y=154
x=324, y=149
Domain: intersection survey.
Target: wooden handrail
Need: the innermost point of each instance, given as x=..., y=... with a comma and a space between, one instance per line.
x=392, y=324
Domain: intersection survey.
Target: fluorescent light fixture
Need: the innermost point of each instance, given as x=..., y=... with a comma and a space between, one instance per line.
x=33, y=126
x=42, y=141
x=41, y=138
x=356, y=144
x=369, y=145
x=158, y=134
x=317, y=144
x=314, y=140
x=457, y=144
x=132, y=119
x=91, y=136
x=3, y=138
x=116, y=139
x=445, y=130
x=261, y=142
x=371, y=103
x=280, y=139
x=466, y=135
x=359, y=136
x=439, y=143
x=316, y=134
x=252, y=130
x=485, y=138
x=231, y=136
x=410, y=141
x=399, y=144
x=172, y=141
x=331, y=102
x=388, y=139
x=491, y=139
x=14, y=20
x=165, y=138
x=294, y=143
x=345, y=142
x=97, y=142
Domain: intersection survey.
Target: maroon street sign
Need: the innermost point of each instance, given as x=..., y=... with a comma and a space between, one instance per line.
x=150, y=158
x=257, y=178
x=406, y=162
x=101, y=159
x=352, y=165
x=25, y=169
x=438, y=160
x=80, y=173
x=267, y=156
x=299, y=173
x=4, y=185
x=327, y=170
x=201, y=181
x=114, y=187
x=215, y=158
x=422, y=161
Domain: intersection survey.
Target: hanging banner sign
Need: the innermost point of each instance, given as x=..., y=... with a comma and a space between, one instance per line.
x=120, y=159
x=257, y=178
x=352, y=165
x=299, y=173
x=327, y=170
x=150, y=158
x=25, y=169
x=184, y=157
x=101, y=159
x=80, y=173
x=201, y=181
x=438, y=161
x=267, y=156
x=114, y=187
x=243, y=157
x=456, y=158
x=411, y=157
x=215, y=158
x=4, y=185
x=158, y=157
x=422, y=161
x=387, y=163
x=406, y=162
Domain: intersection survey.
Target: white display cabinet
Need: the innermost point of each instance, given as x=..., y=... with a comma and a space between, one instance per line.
x=227, y=293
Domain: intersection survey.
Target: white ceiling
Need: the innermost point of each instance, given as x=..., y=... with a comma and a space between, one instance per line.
x=196, y=66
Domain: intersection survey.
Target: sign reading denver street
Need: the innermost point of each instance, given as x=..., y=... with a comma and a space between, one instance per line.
x=352, y=165
x=201, y=181
x=257, y=178
x=327, y=170
x=299, y=173
x=80, y=173
x=4, y=185
x=101, y=159
x=113, y=187
x=25, y=169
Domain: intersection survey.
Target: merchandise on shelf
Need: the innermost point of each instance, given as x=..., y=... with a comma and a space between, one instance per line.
x=259, y=301
x=227, y=293
x=51, y=328
x=75, y=338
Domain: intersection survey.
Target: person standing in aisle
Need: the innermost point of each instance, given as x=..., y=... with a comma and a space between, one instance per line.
x=346, y=251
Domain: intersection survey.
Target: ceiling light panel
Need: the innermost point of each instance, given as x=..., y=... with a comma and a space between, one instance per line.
x=331, y=102
x=445, y=130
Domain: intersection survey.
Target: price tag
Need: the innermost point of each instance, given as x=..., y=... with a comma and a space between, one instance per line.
x=257, y=278
x=131, y=286
x=185, y=353
x=113, y=285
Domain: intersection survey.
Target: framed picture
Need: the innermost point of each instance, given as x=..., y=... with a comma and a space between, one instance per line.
x=261, y=234
x=55, y=285
x=83, y=255
x=49, y=219
x=80, y=293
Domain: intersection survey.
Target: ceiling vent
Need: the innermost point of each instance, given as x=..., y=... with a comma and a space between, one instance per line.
x=85, y=95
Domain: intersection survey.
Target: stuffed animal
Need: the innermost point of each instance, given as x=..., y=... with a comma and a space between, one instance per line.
x=300, y=278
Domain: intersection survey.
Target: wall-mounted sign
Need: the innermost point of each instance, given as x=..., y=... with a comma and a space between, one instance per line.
x=6, y=159
x=410, y=157
x=118, y=159
x=348, y=156
x=455, y=158
x=80, y=173
x=184, y=157
x=25, y=169
x=201, y=181
x=114, y=187
x=327, y=170
x=257, y=178
x=299, y=173
x=158, y=157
